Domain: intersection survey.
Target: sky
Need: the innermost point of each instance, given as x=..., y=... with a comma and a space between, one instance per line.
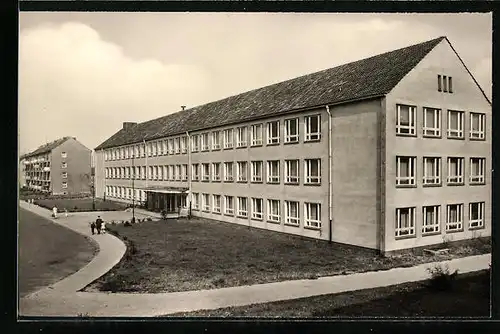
x=83, y=74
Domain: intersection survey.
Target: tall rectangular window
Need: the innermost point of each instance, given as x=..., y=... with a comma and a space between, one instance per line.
x=171, y=172
x=455, y=124
x=178, y=173
x=292, y=213
x=455, y=170
x=273, y=132
x=405, y=171
x=206, y=202
x=450, y=87
x=204, y=141
x=477, y=170
x=242, y=171
x=257, y=207
x=431, y=219
x=439, y=83
x=312, y=128
x=454, y=217
x=154, y=150
x=228, y=138
x=256, y=171
x=164, y=147
x=177, y=145
x=292, y=171
x=171, y=148
x=476, y=215
x=312, y=171
x=312, y=215
x=195, y=172
x=432, y=122
x=406, y=120
x=195, y=201
x=216, y=171
x=256, y=134
x=183, y=144
x=273, y=211
x=216, y=204
x=477, y=126
x=228, y=205
x=242, y=136
x=273, y=171
x=195, y=143
x=405, y=222
x=292, y=130
x=215, y=140
x=184, y=172
x=242, y=207
x=205, y=172
x=432, y=171
x=228, y=171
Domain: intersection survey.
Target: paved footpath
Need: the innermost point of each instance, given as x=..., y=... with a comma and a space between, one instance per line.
x=62, y=299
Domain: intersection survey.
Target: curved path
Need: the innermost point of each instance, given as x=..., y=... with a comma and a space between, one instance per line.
x=63, y=298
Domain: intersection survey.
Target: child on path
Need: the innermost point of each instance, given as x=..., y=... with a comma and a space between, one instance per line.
x=103, y=227
x=92, y=227
x=54, y=211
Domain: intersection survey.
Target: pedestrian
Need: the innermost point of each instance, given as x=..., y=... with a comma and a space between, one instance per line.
x=103, y=227
x=98, y=223
x=54, y=211
x=92, y=227
x=65, y=212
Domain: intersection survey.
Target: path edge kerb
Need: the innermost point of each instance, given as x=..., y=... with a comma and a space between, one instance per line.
x=82, y=271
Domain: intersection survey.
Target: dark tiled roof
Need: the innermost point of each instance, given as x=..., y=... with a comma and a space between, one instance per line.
x=46, y=148
x=370, y=77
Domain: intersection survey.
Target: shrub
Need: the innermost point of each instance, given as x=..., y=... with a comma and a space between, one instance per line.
x=127, y=224
x=441, y=278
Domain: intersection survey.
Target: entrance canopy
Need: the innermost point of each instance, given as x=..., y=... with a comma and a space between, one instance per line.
x=166, y=190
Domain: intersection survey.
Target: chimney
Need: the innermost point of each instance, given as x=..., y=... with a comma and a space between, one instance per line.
x=183, y=107
x=128, y=125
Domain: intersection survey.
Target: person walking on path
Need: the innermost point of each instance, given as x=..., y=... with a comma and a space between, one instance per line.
x=92, y=227
x=54, y=211
x=98, y=224
x=103, y=227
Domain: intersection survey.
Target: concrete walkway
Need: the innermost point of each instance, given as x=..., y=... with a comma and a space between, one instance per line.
x=63, y=300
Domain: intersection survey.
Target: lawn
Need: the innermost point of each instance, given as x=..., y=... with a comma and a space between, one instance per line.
x=182, y=255
x=80, y=204
x=470, y=297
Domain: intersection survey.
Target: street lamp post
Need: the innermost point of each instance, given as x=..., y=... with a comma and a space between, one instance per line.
x=133, y=188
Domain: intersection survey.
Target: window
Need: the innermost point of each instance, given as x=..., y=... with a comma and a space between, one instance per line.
x=292, y=171
x=432, y=122
x=242, y=207
x=184, y=172
x=273, y=171
x=455, y=170
x=228, y=138
x=228, y=205
x=205, y=172
x=216, y=140
x=65, y=185
x=184, y=201
x=431, y=219
x=165, y=173
x=273, y=133
x=178, y=173
x=154, y=149
x=204, y=142
x=256, y=171
x=405, y=222
x=64, y=175
x=405, y=120
x=177, y=145
x=455, y=124
x=164, y=149
x=171, y=172
x=256, y=134
x=476, y=215
x=292, y=130
x=216, y=171
x=256, y=208
x=142, y=151
x=160, y=173
x=228, y=171
x=432, y=170
x=242, y=136
x=64, y=155
x=445, y=84
x=143, y=172
x=195, y=171
x=171, y=149
x=183, y=144
x=242, y=171
x=439, y=83
x=216, y=204
x=206, y=202
x=454, y=217
x=450, y=87
x=195, y=201
x=405, y=171
x=156, y=173
x=195, y=143
x=312, y=215
x=312, y=171
x=477, y=126
x=273, y=211
x=477, y=170
x=150, y=176
x=64, y=165
x=312, y=126
x=292, y=213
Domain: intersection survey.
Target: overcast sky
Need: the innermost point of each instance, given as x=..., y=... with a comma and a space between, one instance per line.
x=83, y=74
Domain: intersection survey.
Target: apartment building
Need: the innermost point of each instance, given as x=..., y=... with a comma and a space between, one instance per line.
x=60, y=167
x=389, y=152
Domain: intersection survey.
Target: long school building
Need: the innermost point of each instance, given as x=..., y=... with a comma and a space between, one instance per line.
x=389, y=152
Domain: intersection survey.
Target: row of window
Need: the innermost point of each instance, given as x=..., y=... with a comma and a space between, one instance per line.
x=125, y=193
x=431, y=219
x=239, y=137
x=217, y=171
x=406, y=171
x=239, y=206
x=445, y=84
x=406, y=121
